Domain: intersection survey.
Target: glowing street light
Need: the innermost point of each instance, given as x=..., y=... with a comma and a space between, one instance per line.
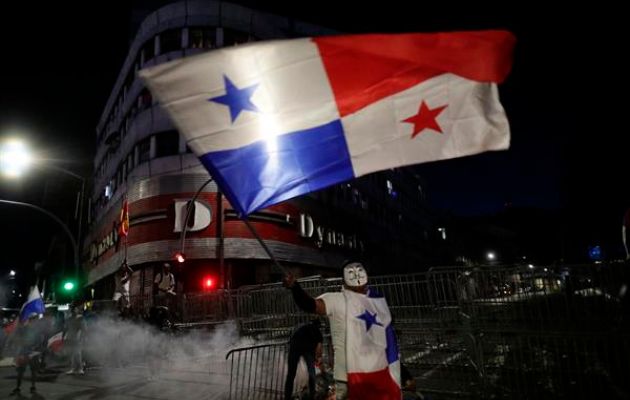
x=15, y=158
x=12, y=273
x=491, y=256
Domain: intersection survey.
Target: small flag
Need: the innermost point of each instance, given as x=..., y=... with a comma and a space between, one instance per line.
x=34, y=304
x=123, y=227
x=55, y=342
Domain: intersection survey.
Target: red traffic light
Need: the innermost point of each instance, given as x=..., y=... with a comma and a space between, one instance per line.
x=208, y=282
x=180, y=257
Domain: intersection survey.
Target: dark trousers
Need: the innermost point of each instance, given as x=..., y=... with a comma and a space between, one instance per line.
x=33, y=364
x=294, y=359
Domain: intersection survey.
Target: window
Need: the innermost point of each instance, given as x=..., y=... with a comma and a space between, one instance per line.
x=202, y=38
x=130, y=163
x=166, y=144
x=144, y=150
x=390, y=189
x=119, y=175
x=232, y=37
x=108, y=191
x=170, y=40
x=149, y=50
x=131, y=76
x=144, y=100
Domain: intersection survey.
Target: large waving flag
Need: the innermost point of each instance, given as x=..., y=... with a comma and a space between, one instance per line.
x=34, y=304
x=274, y=120
x=372, y=357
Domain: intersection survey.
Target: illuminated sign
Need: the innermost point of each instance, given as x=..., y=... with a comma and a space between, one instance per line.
x=325, y=236
x=200, y=216
x=109, y=241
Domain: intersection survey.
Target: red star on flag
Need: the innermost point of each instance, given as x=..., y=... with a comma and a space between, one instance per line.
x=425, y=119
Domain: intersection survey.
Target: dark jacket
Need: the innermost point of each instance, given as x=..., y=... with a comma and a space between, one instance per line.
x=306, y=337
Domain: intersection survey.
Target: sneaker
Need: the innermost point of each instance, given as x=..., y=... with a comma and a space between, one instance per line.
x=71, y=372
x=15, y=391
x=80, y=372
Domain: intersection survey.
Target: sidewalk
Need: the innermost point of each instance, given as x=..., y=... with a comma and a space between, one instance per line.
x=120, y=383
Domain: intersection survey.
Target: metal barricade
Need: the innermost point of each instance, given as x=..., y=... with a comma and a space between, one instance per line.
x=519, y=331
x=205, y=306
x=257, y=372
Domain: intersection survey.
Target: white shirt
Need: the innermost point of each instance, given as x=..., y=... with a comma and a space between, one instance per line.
x=168, y=281
x=122, y=288
x=336, y=312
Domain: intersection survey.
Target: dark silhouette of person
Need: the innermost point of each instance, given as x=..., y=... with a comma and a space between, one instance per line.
x=305, y=342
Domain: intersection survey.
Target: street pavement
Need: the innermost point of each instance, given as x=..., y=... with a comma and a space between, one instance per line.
x=208, y=381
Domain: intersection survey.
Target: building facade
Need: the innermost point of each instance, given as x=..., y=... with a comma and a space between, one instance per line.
x=142, y=158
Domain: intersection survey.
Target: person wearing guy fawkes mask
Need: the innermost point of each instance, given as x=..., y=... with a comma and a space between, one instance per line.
x=353, y=312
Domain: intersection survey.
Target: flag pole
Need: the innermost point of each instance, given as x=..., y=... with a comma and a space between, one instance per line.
x=127, y=218
x=264, y=245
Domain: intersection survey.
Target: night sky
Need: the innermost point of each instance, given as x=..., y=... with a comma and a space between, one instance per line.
x=563, y=98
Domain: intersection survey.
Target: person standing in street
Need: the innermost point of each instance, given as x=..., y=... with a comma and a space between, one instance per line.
x=367, y=362
x=29, y=347
x=164, y=287
x=306, y=342
x=73, y=338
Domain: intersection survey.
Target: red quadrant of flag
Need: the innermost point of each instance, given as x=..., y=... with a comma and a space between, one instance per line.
x=366, y=68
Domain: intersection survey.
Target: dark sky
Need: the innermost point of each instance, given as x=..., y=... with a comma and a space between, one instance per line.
x=563, y=98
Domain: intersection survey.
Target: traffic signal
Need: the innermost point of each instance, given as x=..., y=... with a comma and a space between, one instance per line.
x=68, y=285
x=67, y=290
x=209, y=283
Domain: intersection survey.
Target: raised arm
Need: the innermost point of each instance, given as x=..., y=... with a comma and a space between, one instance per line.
x=302, y=299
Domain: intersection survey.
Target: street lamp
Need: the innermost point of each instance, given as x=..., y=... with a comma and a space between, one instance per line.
x=15, y=158
x=491, y=256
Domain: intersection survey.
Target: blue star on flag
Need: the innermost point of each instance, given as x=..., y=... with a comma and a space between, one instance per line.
x=370, y=319
x=236, y=99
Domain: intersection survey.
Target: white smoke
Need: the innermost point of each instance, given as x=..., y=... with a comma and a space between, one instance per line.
x=137, y=350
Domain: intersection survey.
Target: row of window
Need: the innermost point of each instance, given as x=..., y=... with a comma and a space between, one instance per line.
x=167, y=42
x=164, y=144
x=378, y=196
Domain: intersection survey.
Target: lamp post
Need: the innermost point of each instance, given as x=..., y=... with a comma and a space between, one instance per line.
x=65, y=228
x=15, y=160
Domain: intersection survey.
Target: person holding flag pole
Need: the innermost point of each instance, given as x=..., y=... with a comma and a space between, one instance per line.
x=28, y=339
x=278, y=119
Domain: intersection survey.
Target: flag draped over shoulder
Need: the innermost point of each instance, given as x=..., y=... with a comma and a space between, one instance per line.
x=123, y=227
x=34, y=304
x=274, y=120
x=372, y=357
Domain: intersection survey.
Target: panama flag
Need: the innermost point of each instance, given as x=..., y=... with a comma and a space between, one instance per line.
x=372, y=357
x=123, y=227
x=34, y=304
x=55, y=342
x=274, y=120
